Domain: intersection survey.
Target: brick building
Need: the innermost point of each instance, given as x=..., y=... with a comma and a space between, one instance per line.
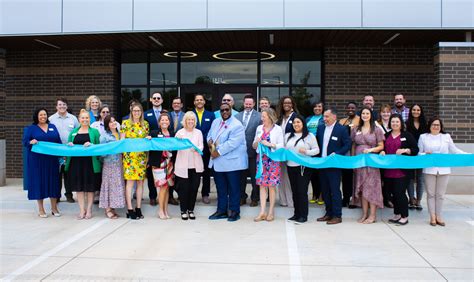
x=122, y=52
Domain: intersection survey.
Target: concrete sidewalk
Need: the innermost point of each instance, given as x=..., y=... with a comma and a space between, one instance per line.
x=64, y=248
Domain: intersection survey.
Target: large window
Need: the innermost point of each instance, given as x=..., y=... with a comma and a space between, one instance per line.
x=274, y=73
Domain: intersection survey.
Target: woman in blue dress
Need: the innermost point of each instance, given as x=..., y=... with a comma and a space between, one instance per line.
x=42, y=170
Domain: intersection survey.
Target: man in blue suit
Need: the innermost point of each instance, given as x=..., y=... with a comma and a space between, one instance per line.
x=204, y=119
x=333, y=138
x=151, y=116
x=177, y=114
x=226, y=141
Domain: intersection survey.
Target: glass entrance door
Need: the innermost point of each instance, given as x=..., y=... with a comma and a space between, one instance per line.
x=214, y=94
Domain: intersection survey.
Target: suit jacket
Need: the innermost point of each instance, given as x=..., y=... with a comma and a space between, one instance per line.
x=339, y=142
x=289, y=125
x=152, y=119
x=180, y=118
x=205, y=124
x=230, y=140
x=254, y=121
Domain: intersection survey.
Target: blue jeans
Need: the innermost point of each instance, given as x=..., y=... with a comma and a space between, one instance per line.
x=228, y=191
x=418, y=178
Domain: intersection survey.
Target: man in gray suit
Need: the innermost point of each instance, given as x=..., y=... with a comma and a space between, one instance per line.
x=250, y=119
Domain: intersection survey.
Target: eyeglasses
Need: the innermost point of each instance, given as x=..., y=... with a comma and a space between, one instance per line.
x=156, y=98
x=225, y=110
x=226, y=100
x=105, y=112
x=136, y=111
x=435, y=125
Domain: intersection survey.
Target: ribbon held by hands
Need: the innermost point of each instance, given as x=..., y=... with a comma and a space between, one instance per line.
x=122, y=146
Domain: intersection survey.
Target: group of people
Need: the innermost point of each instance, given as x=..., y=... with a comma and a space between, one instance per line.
x=231, y=142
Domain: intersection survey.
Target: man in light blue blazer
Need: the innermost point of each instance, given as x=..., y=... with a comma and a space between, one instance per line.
x=226, y=140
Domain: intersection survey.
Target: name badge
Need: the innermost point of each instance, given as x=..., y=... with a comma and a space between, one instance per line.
x=290, y=121
x=51, y=129
x=160, y=135
x=206, y=119
x=358, y=133
x=71, y=126
x=334, y=138
x=149, y=114
x=403, y=139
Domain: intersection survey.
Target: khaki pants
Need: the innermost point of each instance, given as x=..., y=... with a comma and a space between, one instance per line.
x=436, y=186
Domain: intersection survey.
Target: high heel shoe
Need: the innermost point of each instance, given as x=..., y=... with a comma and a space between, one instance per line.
x=131, y=214
x=42, y=215
x=138, y=211
x=56, y=214
x=260, y=218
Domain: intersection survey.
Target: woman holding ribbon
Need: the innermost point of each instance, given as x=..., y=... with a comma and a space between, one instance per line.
x=269, y=135
x=436, y=178
x=162, y=165
x=398, y=142
x=134, y=163
x=93, y=105
x=42, y=170
x=112, y=189
x=189, y=166
x=302, y=142
x=82, y=171
x=367, y=139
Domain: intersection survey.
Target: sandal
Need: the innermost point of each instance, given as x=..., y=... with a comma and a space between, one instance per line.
x=111, y=215
x=369, y=220
x=260, y=218
x=270, y=217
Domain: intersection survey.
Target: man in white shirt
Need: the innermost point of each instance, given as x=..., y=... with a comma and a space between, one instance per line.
x=65, y=123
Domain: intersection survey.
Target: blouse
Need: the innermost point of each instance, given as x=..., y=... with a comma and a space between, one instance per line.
x=309, y=143
x=189, y=159
x=391, y=147
x=437, y=144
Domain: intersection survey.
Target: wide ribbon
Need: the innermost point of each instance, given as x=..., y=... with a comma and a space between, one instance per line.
x=122, y=146
x=366, y=160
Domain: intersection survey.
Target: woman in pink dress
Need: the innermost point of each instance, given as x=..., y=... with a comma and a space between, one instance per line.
x=367, y=138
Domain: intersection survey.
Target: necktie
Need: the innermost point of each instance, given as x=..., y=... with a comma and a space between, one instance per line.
x=246, y=119
x=176, y=117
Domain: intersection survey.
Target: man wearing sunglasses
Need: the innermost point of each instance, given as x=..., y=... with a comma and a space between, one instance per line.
x=228, y=99
x=226, y=141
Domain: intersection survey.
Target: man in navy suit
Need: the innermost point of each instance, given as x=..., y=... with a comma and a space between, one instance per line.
x=204, y=119
x=177, y=114
x=333, y=138
x=151, y=116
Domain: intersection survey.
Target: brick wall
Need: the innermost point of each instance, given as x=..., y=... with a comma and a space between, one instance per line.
x=454, y=90
x=36, y=78
x=353, y=72
x=2, y=93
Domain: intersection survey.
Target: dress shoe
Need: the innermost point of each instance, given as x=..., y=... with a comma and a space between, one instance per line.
x=152, y=202
x=334, y=220
x=56, y=214
x=393, y=220
x=243, y=202
x=324, y=218
x=138, y=211
x=234, y=216
x=70, y=199
x=205, y=200
x=131, y=214
x=191, y=215
x=352, y=207
x=184, y=216
x=253, y=203
x=173, y=201
x=218, y=215
x=293, y=218
x=301, y=220
x=402, y=223
x=441, y=223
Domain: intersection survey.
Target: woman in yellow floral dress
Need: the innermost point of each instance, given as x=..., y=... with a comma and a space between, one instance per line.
x=134, y=164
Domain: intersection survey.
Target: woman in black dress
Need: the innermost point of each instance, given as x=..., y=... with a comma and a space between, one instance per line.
x=82, y=171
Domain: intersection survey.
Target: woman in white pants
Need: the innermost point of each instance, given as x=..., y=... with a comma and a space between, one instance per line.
x=436, y=178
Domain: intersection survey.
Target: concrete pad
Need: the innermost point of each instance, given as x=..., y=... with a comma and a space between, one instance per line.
x=10, y=263
x=457, y=274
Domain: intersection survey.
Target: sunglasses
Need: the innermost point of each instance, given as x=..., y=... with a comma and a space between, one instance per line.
x=225, y=110
x=156, y=98
x=226, y=100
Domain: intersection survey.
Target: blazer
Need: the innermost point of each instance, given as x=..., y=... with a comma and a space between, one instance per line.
x=289, y=125
x=205, y=124
x=94, y=136
x=180, y=118
x=254, y=121
x=437, y=144
x=155, y=157
x=407, y=142
x=339, y=142
x=151, y=118
x=230, y=140
x=276, y=136
x=183, y=157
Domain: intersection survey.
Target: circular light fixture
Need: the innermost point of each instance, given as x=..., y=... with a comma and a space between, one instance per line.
x=222, y=56
x=183, y=54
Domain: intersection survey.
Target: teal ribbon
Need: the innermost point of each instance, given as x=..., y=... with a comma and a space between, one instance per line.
x=122, y=146
x=366, y=160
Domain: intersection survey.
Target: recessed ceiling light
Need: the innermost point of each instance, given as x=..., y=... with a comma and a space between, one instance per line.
x=183, y=54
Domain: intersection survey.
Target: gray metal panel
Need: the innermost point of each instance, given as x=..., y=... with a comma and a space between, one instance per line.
x=458, y=13
x=97, y=15
x=402, y=13
x=170, y=14
x=245, y=14
x=323, y=13
x=30, y=16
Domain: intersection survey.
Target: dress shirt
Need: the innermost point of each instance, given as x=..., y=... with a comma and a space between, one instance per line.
x=65, y=124
x=247, y=115
x=404, y=112
x=199, y=114
x=327, y=137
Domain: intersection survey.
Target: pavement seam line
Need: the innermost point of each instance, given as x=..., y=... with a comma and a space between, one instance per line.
x=88, y=248
x=293, y=254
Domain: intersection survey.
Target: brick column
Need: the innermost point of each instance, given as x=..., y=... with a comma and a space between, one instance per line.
x=2, y=118
x=454, y=89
